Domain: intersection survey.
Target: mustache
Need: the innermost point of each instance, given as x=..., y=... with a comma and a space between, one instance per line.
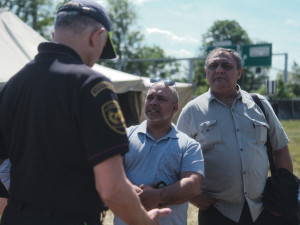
x=152, y=107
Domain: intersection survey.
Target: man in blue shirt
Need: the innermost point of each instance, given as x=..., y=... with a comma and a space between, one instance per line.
x=166, y=165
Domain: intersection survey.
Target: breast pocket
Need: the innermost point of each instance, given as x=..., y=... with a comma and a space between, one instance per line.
x=261, y=131
x=208, y=134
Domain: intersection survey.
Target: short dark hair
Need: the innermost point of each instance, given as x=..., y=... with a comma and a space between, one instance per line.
x=237, y=57
x=75, y=21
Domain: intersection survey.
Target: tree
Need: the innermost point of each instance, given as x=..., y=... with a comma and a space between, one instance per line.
x=291, y=89
x=227, y=30
x=36, y=13
x=294, y=79
x=128, y=44
x=282, y=89
x=153, y=68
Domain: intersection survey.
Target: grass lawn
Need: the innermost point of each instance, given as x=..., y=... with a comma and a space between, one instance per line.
x=291, y=127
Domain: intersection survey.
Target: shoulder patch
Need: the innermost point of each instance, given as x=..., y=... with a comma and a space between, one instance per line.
x=113, y=116
x=100, y=87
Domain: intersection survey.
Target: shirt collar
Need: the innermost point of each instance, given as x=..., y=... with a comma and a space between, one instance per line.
x=143, y=130
x=211, y=97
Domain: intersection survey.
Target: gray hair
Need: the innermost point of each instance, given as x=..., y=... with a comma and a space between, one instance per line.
x=236, y=56
x=75, y=21
x=174, y=91
x=175, y=94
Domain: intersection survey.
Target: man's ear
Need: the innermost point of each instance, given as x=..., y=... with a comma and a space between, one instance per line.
x=240, y=71
x=95, y=36
x=175, y=107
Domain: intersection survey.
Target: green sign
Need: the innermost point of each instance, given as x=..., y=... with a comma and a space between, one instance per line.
x=257, y=55
x=210, y=48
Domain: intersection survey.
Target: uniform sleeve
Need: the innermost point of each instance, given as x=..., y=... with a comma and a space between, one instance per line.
x=102, y=123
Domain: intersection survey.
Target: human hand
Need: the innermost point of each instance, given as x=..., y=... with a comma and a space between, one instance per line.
x=155, y=214
x=137, y=189
x=149, y=197
x=203, y=202
x=3, y=203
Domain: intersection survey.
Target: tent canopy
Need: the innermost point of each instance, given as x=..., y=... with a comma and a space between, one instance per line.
x=18, y=44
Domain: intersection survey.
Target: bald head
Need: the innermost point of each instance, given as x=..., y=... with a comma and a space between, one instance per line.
x=161, y=103
x=171, y=89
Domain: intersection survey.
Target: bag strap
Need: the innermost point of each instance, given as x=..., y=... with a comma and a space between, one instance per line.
x=268, y=143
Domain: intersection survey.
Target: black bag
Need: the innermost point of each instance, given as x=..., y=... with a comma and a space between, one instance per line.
x=282, y=188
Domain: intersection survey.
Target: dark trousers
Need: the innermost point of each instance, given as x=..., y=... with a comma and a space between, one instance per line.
x=18, y=215
x=212, y=216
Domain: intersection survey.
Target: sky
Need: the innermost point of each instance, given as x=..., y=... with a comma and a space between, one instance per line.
x=177, y=26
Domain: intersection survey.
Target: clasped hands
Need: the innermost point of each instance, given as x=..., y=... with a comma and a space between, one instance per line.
x=150, y=197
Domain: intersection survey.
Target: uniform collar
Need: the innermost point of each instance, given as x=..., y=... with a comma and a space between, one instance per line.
x=57, y=48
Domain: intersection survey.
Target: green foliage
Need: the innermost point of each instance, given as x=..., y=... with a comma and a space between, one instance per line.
x=223, y=30
x=291, y=89
x=251, y=81
x=202, y=87
x=123, y=16
x=146, y=68
x=294, y=80
x=128, y=44
x=282, y=89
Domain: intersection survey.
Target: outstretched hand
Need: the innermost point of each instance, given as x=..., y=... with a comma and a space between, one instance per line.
x=155, y=214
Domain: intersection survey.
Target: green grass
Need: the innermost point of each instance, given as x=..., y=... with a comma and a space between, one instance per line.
x=291, y=127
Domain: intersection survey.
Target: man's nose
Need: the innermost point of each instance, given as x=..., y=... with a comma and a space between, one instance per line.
x=219, y=68
x=153, y=101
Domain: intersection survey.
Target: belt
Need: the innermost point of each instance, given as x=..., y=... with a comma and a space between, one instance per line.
x=49, y=213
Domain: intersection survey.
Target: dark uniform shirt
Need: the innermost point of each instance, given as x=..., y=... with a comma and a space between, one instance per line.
x=58, y=119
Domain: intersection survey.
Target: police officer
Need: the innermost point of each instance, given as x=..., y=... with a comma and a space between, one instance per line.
x=62, y=128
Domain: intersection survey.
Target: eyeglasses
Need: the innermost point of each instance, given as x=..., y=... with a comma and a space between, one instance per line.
x=168, y=82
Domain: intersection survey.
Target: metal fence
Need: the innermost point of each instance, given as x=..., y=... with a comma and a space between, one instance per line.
x=286, y=109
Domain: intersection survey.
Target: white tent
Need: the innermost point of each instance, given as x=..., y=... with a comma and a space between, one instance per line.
x=125, y=82
x=18, y=45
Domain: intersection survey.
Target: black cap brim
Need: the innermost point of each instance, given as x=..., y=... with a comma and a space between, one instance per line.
x=109, y=51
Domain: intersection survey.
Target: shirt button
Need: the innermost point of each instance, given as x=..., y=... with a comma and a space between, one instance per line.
x=244, y=172
x=237, y=130
x=242, y=149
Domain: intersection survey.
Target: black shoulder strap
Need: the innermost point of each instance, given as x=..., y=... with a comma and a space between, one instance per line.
x=268, y=144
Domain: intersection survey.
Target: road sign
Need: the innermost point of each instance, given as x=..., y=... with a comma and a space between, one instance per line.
x=257, y=55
